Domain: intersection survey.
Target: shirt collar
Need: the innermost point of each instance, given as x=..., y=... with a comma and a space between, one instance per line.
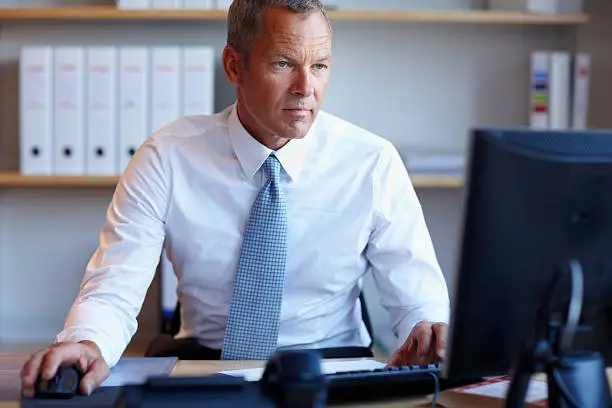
x=251, y=154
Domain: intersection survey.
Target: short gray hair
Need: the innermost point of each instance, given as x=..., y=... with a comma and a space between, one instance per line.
x=245, y=17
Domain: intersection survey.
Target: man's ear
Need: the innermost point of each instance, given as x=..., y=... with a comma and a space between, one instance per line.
x=232, y=65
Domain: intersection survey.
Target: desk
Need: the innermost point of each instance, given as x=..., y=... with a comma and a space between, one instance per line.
x=10, y=366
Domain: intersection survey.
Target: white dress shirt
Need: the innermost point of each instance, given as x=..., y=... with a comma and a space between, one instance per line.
x=189, y=189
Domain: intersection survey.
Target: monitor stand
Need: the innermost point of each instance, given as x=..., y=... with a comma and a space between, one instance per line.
x=576, y=379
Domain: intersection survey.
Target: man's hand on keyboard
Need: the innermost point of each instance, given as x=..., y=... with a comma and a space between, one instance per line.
x=425, y=345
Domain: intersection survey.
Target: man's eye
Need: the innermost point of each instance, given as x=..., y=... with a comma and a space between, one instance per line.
x=320, y=67
x=282, y=64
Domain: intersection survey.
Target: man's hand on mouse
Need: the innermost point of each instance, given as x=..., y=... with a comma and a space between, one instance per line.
x=425, y=345
x=86, y=355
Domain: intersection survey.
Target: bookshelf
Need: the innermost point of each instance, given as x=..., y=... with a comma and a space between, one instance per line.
x=17, y=180
x=467, y=17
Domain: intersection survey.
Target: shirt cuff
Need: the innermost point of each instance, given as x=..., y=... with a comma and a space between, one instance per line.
x=110, y=354
x=435, y=313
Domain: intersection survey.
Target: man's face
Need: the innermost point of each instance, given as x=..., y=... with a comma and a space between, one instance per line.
x=281, y=90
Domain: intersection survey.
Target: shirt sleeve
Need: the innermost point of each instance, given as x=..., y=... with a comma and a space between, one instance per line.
x=120, y=271
x=401, y=253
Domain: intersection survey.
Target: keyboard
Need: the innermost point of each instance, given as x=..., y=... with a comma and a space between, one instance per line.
x=387, y=383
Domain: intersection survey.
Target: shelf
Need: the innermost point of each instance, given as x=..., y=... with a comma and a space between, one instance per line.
x=471, y=17
x=16, y=180
x=436, y=181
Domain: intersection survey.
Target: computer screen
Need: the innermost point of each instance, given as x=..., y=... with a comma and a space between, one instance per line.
x=534, y=200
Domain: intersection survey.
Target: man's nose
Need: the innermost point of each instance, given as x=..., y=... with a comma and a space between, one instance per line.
x=302, y=83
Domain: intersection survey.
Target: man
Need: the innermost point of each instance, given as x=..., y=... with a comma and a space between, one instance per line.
x=271, y=212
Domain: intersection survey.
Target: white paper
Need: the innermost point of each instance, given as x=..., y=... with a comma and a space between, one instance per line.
x=136, y=370
x=538, y=390
x=327, y=367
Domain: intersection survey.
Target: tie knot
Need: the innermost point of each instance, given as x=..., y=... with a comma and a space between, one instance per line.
x=272, y=167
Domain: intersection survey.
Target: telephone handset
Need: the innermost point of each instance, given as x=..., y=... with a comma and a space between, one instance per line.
x=293, y=378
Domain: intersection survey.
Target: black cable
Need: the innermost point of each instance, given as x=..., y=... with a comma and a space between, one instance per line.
x=434, y=401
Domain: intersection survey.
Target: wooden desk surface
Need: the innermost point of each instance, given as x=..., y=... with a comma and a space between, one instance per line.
x=10, y=387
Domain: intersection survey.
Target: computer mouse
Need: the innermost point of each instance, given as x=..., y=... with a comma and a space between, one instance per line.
x=64, y=384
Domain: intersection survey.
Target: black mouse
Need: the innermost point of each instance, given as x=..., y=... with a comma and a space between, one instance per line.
x=64, y=384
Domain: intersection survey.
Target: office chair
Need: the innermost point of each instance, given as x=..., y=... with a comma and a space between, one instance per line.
x=170, y=328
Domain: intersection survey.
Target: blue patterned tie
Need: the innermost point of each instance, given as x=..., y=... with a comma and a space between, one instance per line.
x=254, y=314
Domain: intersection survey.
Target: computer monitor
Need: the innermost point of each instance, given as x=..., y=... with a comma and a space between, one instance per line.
x=534, y=200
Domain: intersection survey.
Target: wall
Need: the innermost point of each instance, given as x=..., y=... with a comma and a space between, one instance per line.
x=595, y=39
x=422, y=86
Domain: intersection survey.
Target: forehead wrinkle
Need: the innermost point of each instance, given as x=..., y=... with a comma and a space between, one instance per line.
x=302, y=55
x=285, y=36
x=283, y=47
x=291, y=47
